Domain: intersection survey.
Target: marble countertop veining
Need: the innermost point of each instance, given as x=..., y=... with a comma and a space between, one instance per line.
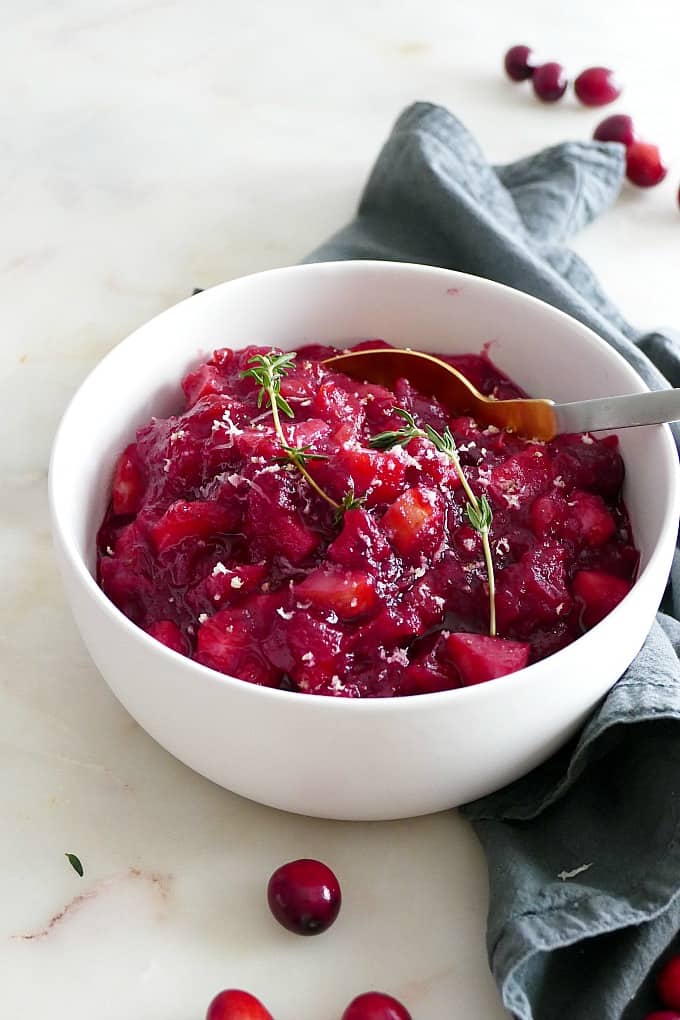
x=147, y=147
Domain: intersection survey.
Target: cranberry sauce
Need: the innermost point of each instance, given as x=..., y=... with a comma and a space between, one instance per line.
x=220, y=548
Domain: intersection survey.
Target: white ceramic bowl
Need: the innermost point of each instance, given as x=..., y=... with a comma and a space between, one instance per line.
x=332, y=757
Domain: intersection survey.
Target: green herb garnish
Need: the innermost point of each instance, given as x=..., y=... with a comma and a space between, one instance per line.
x=75, y=864
x=478, y=511
x=349, y=502
x=302, y=454
x=398, y=437
x=268, y=370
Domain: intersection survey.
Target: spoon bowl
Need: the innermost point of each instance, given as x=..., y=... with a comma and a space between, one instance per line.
x=536, y=418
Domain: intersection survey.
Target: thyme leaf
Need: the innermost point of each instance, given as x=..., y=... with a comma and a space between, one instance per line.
x=268, y=370
x=75, y=864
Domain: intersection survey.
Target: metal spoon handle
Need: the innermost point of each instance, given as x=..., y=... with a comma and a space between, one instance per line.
x=618, y=412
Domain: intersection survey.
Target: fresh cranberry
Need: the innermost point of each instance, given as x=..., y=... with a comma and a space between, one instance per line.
x=617, y=128
x=304, y=896
x=644, y=165
x=233, y=1004
x=597, y=86
x=375, y=1006
x=519, y=63
x=550, y=82
x=668, y=983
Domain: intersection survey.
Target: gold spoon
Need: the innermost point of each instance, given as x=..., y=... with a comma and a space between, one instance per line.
x=535, y=418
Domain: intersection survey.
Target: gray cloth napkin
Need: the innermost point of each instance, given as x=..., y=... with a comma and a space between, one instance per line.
x=559, y=946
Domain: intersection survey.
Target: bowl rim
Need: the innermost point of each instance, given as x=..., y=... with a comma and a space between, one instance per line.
x=421, y=702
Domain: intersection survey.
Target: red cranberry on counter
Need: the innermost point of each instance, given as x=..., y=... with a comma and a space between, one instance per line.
x=644, y=165
x=617, y=128
x=375, y=1006
x=233, y=1004
x=668, y=983
x=597, y=86
x=304, y=896
x=519, y=63
x=550, y=82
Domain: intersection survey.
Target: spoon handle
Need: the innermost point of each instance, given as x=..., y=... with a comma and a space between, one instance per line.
x=618, y=412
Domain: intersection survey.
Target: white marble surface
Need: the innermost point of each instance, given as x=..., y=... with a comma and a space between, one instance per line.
x=149, y=146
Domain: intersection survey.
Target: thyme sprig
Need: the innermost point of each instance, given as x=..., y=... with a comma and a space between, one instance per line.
x=478, y=511
x=302, y=453
x=268, y=370
x=481, y=517
x=349, y=502
x=398, y=437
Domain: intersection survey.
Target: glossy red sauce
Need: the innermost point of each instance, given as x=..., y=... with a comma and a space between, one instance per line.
x=226, y=554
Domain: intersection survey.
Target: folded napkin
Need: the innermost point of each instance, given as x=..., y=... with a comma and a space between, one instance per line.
x=583, y=853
